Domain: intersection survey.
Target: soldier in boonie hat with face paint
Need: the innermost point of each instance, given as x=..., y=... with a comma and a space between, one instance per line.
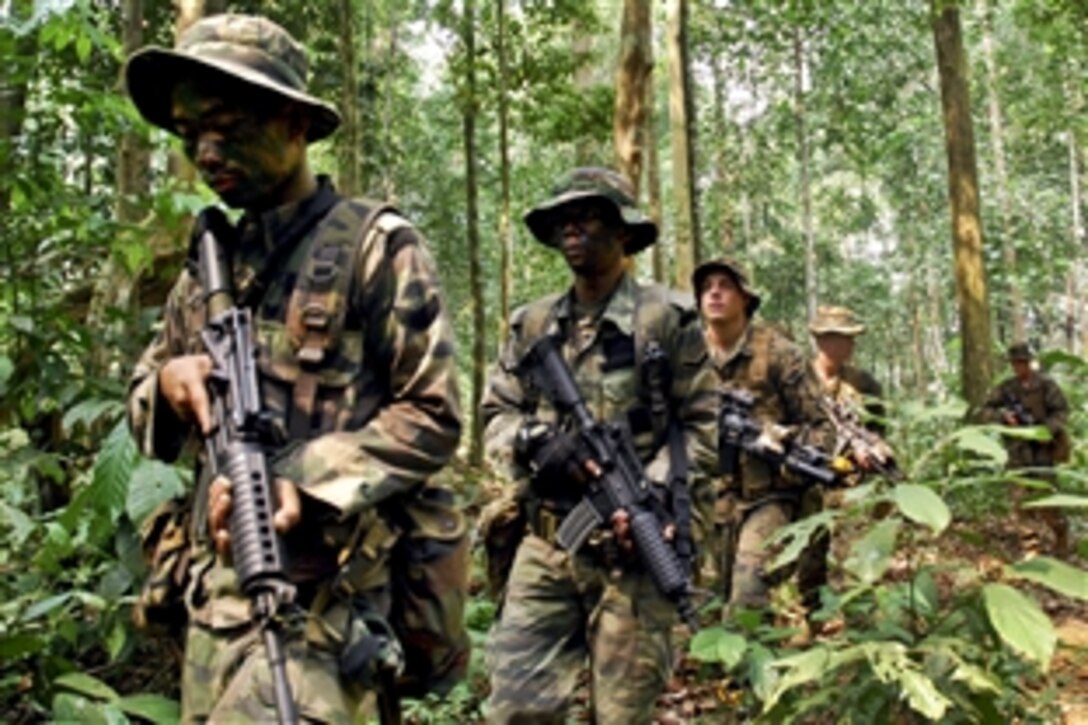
x=604, y=324
x=347, y=430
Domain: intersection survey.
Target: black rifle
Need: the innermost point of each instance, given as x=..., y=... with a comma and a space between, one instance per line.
x=855, y=437
x=1017, y=410
x=621, y=486
x=739, y=431
x=234, y=450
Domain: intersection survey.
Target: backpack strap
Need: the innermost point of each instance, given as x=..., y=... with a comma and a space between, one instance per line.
x=319, y=303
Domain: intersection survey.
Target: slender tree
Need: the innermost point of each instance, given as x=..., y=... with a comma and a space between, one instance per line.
x=970, y=271
x=804, y=161
x=349, y=137
x=505, y=235
x=653, y=182
x=686, y=240
x=633, y=77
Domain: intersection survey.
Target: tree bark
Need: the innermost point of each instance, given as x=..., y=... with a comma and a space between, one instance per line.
x=505, y=235
x=582, y=50
x=633, y=76
x=1076, y=237
x=687, y=255
x=800, y=71
x=472, y=231
x=971, y=295
x=348, y=136
x=1014, y=304
x=653, y=181
x=723, y=191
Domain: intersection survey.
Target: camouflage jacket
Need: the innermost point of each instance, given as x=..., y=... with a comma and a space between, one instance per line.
x=1044, y=401
x=858, y=389
x=773, y=369
x=602, y=356
x=388, y=411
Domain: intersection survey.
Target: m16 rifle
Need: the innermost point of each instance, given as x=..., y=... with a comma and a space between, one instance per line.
x=739, y=431
x=1015, y=409
x=860, y=442
x=621, y=485
x=234, y=450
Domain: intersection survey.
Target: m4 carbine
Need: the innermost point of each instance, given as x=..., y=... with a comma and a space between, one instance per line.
x=1017, y=410
x=621, y=486
x=739, y=430
x=856, y=438
x=234, y=450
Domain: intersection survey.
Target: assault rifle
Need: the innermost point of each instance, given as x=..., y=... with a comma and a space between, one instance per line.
x=1017, y=410
x=739, y=430
x=234, y=451
x=621, y=486
x=853, y=437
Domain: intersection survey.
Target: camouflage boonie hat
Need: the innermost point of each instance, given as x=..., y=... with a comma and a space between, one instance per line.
x=245, y=48
x=589, y=182
x=735, y=270
x=1020, y=351
x=835, y=320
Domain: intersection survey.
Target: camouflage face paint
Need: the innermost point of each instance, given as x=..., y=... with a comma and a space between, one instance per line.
x=248, y=148
x=589, y=235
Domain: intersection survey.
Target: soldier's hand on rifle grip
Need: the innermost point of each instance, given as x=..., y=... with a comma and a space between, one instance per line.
x=183, y=384
x=288, y=510
x=621, y=528
x=1010, y=419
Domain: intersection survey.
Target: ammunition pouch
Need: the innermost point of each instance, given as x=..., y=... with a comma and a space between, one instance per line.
x=165, y=541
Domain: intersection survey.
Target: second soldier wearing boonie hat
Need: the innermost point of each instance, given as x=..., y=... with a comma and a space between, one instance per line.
x=603, y=324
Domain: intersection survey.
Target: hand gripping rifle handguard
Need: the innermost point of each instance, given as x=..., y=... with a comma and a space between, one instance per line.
x=739, y=430
x=853, y=437
x=621, y=486
x=234, y=450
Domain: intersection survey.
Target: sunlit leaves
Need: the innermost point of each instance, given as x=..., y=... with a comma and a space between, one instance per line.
x=1020, y=623
x=922, y=505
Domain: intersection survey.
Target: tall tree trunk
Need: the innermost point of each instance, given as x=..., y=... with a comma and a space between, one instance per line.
x=1076, y=233
x=633, y=75
x=800, y=71
x=348, y=137
x=653, y=181
x=505, y=236
x=472, y=230
x=1014, y=304
x=20, y=52
x=582, y=51
x=722, y=189
x=971, y=296
x=687, y=255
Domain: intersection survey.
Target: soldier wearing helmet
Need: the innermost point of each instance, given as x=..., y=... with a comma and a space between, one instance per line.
x=598, y=606
x=360, y=391
x=755, y=501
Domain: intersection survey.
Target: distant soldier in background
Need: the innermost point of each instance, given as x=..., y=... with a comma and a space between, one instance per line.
x=758, y=500
x=1031, y=398
x=851, y=396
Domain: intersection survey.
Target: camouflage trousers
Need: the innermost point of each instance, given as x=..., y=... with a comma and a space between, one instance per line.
x=560, y=611
x=750, y=583
x=226, y=677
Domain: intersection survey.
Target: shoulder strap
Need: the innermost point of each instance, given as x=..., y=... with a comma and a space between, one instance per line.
x=761, y=353
x=319, y=302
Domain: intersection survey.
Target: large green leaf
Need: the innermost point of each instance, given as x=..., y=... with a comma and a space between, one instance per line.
x=1059, y=500
x=719, y=645
x=153, y=482
x=922, y=505
x=154, y=708
x=1020, y=623
x=108, y=489
x=871, y=555
x=797, y=670
x=799, y=534
x=86, y=685
x=88, y=412
x=1055, y=574
x=976, y=440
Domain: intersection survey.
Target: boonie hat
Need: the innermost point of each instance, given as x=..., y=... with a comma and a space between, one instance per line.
x=591, y=182
x=246, y=48
x=835, y=320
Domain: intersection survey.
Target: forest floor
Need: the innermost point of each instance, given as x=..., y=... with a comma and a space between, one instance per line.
x=693, y=698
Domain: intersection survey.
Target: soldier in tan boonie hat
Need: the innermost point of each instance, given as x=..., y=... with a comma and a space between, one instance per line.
x=240, y=48
x=736, y=271
x=835, y=320
x=591, y=182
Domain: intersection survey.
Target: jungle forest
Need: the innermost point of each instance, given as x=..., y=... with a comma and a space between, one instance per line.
x=919, y=161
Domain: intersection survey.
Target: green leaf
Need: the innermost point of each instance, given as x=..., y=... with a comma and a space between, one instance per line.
x=978, y=679
x=719, y=645
x=1059, y=500
x=155, y=708
x=153, y=482
x=922, y=505
x=922, y=695
x=88, y=412
x=20, y=645
x=871, y=555
x=45, y=606
x=1020, y=623
x=924, y=593
x=975, y=440
x=7, y=367
x=87, y=685
x=83, y=48
x=1055, y=574
x=799, y=534
x=798, y=669
x=1027, y=432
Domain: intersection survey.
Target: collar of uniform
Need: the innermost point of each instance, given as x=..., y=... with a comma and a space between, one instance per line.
x=743, y=346
x=619, y=310
x=265, y=230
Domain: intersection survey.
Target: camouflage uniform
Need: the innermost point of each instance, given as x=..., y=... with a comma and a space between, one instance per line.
x=560, y=609
x=381, y=418
x=752, y=506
